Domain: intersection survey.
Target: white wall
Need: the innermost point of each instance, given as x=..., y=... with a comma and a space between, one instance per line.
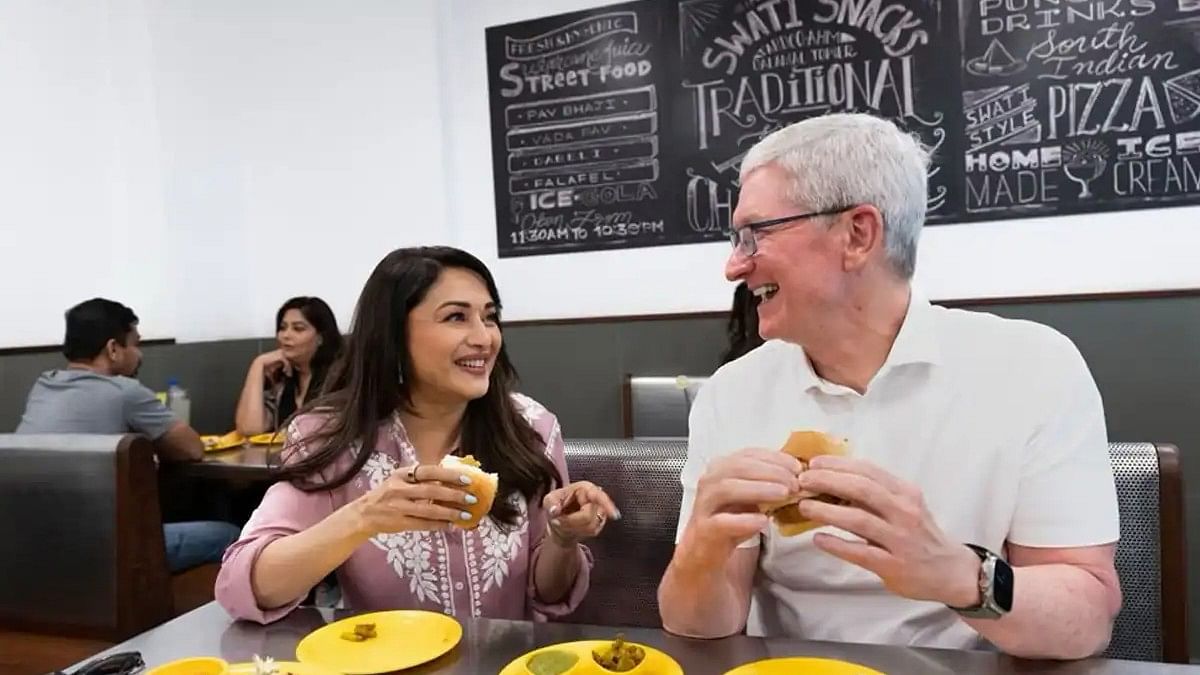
x=204, y=160
x=302, y=142
x=80, y=202
x=1129, y=250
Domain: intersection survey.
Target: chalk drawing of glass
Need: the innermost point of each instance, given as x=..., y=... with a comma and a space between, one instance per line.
x=1189, y=5
x=1083, y=162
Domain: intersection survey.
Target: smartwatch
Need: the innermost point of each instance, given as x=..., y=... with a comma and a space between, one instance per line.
x=995, y=587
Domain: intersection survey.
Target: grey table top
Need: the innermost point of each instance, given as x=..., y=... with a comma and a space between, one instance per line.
x=247, y=463
x=490, y=644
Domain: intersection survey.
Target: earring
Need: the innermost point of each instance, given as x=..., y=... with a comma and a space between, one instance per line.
x=400, y=374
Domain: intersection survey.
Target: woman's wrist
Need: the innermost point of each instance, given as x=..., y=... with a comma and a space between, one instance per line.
x=561, y=541
x=356, y=520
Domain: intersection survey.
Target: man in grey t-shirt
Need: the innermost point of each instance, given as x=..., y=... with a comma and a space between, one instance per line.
x=84, y=401
x=97, y=394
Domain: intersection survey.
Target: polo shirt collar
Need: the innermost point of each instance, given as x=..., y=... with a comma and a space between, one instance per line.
x=916, y=344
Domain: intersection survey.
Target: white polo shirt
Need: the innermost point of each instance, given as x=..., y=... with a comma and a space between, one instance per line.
x=998, y=421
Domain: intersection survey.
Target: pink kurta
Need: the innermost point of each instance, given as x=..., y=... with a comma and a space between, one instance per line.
x=483, y=572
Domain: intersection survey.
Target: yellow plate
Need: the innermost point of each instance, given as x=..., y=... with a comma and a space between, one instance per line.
x=201, y=665
x=655, y=663
x=267, y=439
x=404, y=638
x=281, y=668
x=806, y=666
x=217, y=443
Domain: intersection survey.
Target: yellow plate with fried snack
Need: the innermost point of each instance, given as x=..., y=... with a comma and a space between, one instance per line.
x=217, y=443
x=380, y=642
x=275, y=438
x=806, y=665
x=551, y=659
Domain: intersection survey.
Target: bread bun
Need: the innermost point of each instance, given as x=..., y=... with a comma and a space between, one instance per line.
x=804, y=446
x=483, y=486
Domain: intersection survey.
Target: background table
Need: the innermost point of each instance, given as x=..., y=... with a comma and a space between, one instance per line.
x=245, y=463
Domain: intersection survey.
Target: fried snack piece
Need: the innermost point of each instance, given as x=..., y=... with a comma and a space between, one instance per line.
x=362, y=633
x=804, y=445
x=618, y=656
x=483, y=486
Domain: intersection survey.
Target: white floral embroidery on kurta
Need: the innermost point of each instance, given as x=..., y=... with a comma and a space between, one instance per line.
x=496, y=548
x=500, y=547
x=412, y=555
x=378, y=467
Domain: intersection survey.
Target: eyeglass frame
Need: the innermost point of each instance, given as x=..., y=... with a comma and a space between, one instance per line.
x=739, y=240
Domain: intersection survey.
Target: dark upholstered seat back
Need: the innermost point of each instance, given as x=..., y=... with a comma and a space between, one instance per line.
x=658, y=407
x=1152, y=625
x=81, y=535
x=642, y=477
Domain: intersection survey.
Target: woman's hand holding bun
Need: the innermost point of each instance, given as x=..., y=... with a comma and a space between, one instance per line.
x=417, y=497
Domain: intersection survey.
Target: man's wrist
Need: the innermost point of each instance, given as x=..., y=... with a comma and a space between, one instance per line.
x=697, y=554
x=964, y=591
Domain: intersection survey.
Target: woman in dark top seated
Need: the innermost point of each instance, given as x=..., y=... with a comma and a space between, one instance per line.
x=742, y=329
x=281, y=381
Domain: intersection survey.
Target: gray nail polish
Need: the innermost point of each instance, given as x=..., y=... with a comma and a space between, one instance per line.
x=464, y=515
x=464, y=480
x=472, y=500
x=617, y=514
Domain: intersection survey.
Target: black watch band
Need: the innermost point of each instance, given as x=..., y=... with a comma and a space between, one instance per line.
x=995, y=587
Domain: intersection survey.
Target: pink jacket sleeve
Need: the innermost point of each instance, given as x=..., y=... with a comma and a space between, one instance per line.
x=285, y=510
x=547, y=426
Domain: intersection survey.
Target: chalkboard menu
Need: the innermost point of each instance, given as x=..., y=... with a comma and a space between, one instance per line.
x=748, y=69
x=1079, y=106
x=577, y=131
x=625, y=126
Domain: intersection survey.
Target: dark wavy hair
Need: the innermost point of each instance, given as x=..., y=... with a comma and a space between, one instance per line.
x=91, y=324
x=363, y=389
x=742, y=329
x=317, y=312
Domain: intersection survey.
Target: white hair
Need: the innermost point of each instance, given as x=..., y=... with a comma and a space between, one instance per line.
x=846, y=159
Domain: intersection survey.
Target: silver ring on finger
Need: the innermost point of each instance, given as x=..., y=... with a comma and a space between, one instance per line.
x=410, y=474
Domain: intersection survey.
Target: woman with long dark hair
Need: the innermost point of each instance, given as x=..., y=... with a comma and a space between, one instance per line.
x=280, y=381
x=368, y=492
x=742, y=327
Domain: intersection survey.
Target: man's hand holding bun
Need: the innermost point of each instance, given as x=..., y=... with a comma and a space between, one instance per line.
x=729, y=494
x=804, y=446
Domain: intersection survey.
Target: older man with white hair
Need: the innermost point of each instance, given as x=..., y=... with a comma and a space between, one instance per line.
x=977, y=502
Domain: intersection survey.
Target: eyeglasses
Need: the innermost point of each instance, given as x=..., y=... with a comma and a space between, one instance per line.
x=745, y=238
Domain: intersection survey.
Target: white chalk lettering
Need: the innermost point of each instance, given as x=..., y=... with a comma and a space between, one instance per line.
x=1024, y=187
x=885, y=86
x=1156, y=177
x=897, y=27
x=1001, y=160
x=760, y=21
x=1090, y=108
